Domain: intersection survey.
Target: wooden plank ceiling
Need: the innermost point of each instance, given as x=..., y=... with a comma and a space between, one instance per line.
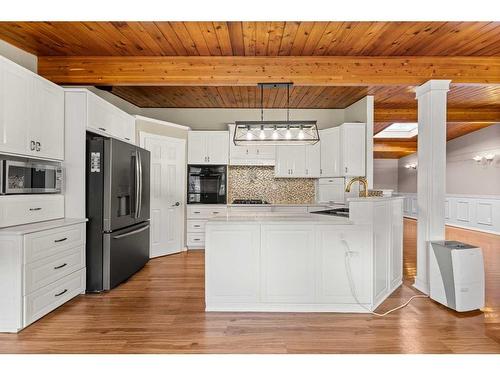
x=471, y=50
x=254, y=38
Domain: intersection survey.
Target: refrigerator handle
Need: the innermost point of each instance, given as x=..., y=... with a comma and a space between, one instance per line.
x=137, y=179
x=140, y=184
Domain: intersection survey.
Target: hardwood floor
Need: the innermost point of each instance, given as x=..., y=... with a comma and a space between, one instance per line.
x=161, y=310
x=489, y=243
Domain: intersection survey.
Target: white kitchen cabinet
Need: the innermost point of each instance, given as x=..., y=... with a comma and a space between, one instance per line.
x=106, y=119
x=331, y=190
x=47, y=129
x=330, y=152
x=333, y=283
x=208, y=147
x=313, y=160
x=42, y=266
x=240, y=250
x=30, y=208
x=15, y=107
x=31, y=113
x=197, y=215
x=250, y=155
x=287, y=268
x=353, y=149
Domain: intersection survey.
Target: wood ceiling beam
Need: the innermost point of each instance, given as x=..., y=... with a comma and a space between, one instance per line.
x=471, y=116
x=390, y=149
x=244, y=71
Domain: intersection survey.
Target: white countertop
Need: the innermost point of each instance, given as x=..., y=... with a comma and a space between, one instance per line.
x=37, y=227
x=373, y=199
x=279, y=218
x=286, y=205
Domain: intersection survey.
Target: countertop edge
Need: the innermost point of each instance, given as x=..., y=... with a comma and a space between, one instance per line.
x=40, y=226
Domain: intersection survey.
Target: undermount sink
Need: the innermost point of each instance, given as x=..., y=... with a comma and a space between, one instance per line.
x=343, y=211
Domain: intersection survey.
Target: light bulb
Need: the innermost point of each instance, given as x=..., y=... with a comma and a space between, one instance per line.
x=262, y=134
x=477, y=158
x=275, y=134
x=288, y=134
x=249, y=136
x=301, y=134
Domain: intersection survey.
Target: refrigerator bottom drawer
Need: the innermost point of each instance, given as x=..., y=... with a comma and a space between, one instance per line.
x=126, y=251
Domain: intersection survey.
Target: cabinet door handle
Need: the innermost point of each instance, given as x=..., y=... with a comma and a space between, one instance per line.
x=345, y=169
x=38, y=146
x=215, y=212
x=127, y=139
x=320, y=171
x=307, y=171
x=61, y=266
x=60, y=294
x=196, y=212
x=197, y=226
x=196, y=239
x=103, y=129
x=35, y=208
x=61, y=239
x=32, y=145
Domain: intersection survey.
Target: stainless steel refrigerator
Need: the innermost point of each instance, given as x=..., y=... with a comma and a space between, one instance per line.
x=117, y=205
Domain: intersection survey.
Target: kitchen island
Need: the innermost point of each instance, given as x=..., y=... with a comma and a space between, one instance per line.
x=305, y=262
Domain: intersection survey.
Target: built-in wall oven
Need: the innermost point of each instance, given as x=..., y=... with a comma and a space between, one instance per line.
x=30, y=177
x=207, y=184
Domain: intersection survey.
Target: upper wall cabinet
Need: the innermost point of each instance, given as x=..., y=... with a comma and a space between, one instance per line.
x=250, y=155
x=353, y=149
x=343, y=150
x=31, y=113
x=106, y=119
x=300, y=161
x=330, y=152
x=208, y=147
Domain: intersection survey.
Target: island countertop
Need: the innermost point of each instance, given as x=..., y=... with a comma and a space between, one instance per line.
x=278, y=218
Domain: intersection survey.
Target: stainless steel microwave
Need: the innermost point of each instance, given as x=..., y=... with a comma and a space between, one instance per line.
x=30, y=177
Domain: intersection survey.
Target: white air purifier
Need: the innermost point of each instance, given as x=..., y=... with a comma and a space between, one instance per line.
x=457, y=275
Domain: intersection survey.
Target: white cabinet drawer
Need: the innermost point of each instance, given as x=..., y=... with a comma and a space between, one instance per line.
x=293, y=209
x=244, y=210
x=49, y=242
x=47, y=270
x=195, y=240
x=50, y=297
x=25, y=209
x=196, y=226
x=203, y=212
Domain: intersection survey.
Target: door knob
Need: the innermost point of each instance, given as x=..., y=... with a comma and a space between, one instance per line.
x=176, y=204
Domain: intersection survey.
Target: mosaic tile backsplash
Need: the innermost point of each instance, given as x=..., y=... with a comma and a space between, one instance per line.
x=249, y=182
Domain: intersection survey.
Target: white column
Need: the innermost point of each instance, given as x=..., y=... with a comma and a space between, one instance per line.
x=431, y=185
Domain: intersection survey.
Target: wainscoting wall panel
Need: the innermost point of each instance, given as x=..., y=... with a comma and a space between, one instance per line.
x=480, y=213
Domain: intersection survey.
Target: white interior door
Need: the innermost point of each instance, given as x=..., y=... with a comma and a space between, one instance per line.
x=168, y=186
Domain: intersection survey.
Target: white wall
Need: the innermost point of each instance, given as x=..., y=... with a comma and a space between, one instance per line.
x=218, y=118
x=463, y=175
x=385, y=174
x=28, y=60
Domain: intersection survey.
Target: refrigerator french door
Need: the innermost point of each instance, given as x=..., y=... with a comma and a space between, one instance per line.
x=118, y=211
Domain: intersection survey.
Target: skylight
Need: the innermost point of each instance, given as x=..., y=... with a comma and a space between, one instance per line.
x=399, y=130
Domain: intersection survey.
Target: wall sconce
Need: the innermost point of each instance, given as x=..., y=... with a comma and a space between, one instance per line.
x=489, y=158
x=411, y=166
x=486, y=159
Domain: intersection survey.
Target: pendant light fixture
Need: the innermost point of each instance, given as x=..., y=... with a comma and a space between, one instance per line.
x=275, y=132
